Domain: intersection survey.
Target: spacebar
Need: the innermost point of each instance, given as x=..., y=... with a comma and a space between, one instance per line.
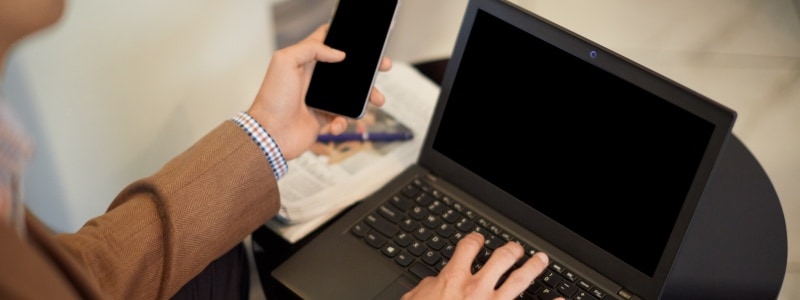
x=421, y=270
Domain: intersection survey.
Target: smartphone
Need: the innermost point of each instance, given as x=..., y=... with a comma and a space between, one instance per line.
x=361, y=29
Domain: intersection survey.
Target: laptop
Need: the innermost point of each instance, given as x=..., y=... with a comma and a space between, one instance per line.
x=540, y=137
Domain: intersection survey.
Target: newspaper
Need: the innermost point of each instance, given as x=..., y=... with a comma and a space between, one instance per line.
x=324, y=181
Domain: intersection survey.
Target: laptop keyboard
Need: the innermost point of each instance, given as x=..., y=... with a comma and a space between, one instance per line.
x=419, y=227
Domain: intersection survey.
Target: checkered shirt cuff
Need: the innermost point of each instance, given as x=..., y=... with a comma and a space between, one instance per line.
x=265, y=142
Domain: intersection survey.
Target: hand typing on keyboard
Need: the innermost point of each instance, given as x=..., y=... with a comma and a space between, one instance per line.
x=497, y=279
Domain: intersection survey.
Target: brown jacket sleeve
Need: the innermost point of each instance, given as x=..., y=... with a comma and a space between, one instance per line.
x=163, y=230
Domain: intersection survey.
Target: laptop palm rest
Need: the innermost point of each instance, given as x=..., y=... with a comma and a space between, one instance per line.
x=366, y=270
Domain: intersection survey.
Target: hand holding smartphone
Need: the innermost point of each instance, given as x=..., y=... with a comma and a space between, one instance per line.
x=361, y=29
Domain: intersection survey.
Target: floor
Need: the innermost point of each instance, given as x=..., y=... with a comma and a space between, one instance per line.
x=742, y=53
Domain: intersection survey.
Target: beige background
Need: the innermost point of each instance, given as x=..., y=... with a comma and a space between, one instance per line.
x=119, y=87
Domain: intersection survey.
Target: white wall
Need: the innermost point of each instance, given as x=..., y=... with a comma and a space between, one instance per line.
x=117, y=88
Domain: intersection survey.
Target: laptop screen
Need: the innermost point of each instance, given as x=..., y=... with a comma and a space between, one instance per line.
x=590, y=148
x=572, y=141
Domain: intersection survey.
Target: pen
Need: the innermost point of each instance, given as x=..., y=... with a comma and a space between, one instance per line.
x=366, y=136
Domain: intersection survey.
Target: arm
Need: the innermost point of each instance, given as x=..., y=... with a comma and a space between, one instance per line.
x=162, y=231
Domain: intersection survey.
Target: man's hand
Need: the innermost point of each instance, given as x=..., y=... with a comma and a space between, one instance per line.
x=280, y=104
x=456, y=280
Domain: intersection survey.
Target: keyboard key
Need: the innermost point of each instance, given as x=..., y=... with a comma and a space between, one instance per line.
x=404, y=259
x=418, y=212
x=382, y=225
x=486, y=234
x=476, y=266
x=445, y=230
x=437, y=207
x=448, y=251
x=417, y=248
x=436, y=242
x=557, y=267
x=459, y=207
x=493, y=242
x=470, y=214
x=547, y=294
x=484, y=255
x=585, y=285
x=440, y=265
x=484, y=223
x=495, y=229
x=569, y=275
x=360, y=229
x=597, y=293
x=375, y=239
x=423, y=233
x=456, y=237
x=390, y=249
x=529, y=251
x=402, y=202
x=465, y=225
x=409, y=225
x=567, y=288
x=431, y=221
x=583, y=295
x=424, y=186
x=411, y=191
x=431, y=257
x=552, y=279
x=534, y=288
x=451, y=215
x=391, y=213
x=424, y=199
x=403, y=239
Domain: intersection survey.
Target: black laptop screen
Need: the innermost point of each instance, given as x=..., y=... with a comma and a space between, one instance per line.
x=591, y=151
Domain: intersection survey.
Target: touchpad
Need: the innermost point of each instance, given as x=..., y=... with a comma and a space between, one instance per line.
x=397, y=288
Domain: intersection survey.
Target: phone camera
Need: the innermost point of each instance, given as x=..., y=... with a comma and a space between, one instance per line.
x=593, y=54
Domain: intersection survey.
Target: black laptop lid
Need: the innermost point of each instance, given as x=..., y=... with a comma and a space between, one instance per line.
x=600, y=156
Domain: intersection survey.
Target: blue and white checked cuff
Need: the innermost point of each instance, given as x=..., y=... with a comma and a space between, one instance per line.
x=265, y=142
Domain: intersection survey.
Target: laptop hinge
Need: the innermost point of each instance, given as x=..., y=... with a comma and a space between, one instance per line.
x=627, y=295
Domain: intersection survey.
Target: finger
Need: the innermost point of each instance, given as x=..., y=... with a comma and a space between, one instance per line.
x=521, y=278
x=386, y=64
x=322, y=52
x=376, y=97
x=421, y=286
x=307, y=52
x=338, y=125
x=501, y=260
x=466, y=250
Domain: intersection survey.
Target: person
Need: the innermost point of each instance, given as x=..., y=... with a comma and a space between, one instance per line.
x=161, y=231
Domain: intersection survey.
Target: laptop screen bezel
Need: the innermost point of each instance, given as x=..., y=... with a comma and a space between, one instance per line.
x=593, y=256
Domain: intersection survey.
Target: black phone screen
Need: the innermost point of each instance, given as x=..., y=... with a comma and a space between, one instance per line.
x=360, y=28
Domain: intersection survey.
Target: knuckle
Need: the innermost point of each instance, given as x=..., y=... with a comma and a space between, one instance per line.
x=539, y=261
x=471, y=240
